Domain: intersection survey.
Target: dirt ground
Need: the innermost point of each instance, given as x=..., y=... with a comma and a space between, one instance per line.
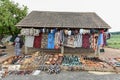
x=110, y=53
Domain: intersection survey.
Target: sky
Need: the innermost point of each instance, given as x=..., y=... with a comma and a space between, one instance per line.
x=108, y=10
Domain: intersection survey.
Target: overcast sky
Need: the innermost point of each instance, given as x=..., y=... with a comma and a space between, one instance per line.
x=108, y=10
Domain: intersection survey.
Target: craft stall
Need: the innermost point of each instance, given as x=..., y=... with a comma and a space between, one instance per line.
x=56, y=41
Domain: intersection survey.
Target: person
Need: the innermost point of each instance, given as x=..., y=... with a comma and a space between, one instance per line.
x=18, y=45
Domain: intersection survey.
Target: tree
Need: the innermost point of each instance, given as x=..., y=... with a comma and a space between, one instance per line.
x=10, y=14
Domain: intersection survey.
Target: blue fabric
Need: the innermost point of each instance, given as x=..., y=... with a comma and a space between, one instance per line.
x=50, y=41
x=54, y=31
x=100, y=39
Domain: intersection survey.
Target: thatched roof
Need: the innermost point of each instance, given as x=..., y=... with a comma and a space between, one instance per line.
x=63, y=20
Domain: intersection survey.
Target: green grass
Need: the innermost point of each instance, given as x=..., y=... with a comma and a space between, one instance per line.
x=114, y=41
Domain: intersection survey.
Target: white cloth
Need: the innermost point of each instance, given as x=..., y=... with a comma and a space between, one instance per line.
x=69, y=32
x=29, y=41
x=78, y=40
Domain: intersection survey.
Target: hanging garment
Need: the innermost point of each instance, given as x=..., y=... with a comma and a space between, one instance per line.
x=36, y=32
x=37, y=41
x=70, y=41
x=29, y=40
x=31, y=32
x=69, y=32
x=44, y=41
x=100, y=40
x=104, y=39
x=57, y=40
x=85, y=41
x=66, y=32
x=50, y=41
x=93, y=41
x=61, y=36
x=81, y=31
x=27, y=32
x=78, y=40
x=65, y=40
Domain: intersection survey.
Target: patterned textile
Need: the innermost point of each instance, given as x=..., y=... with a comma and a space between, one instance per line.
x=44, y=40
x=30, y=32
x=36, y=32
x=37, y=41
x=70, y=41
x=57, y=40
x=93, y=41
x=85, y=41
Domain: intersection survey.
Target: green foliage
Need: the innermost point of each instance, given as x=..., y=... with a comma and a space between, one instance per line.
x=114, y=33
x=114, y=41
x=10, y=14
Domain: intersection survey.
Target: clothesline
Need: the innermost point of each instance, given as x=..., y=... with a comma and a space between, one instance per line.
x=54, y=39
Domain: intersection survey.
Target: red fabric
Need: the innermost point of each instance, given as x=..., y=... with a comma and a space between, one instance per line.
x=37, y=41
x=85, y=41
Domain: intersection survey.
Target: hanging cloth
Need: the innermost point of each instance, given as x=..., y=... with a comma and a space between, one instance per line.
x=78, y=40
x=57, y=40
x=37, y=41
x=50, y=41
x=100, y=39
x=104, y=39
x=44, y=41
x=29, y=41
x=85, y=41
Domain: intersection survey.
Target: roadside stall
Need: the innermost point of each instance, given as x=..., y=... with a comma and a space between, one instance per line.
x=57, y=41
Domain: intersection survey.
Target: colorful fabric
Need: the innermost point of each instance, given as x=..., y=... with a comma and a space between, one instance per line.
x=104, y=39
x=57, y=39
x=85, y=41
x=93, y=41
x=100, y=40
x=50, y=41
x=37, y=41
x=44, y=41
x=70, y=41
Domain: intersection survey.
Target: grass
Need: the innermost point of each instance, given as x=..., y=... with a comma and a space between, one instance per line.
x=114, y=41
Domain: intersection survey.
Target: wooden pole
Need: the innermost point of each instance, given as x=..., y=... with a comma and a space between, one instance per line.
x=26, y=50
x=62, y=49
